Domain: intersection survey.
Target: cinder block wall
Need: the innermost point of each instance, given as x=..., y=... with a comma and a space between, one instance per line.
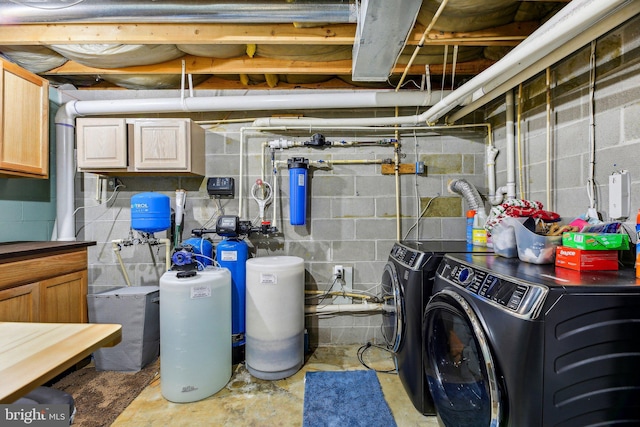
x=351, y=214
x=616, y=109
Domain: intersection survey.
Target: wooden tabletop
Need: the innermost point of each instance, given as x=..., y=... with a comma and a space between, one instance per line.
x=33, y=353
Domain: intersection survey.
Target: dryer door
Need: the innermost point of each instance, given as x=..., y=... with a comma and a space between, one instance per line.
x=392, y=307
x=458, y=364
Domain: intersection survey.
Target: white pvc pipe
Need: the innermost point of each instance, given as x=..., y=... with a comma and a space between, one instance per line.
x=511, y=146
x=351, y=99
x=572, y=20
x=65, y=167
x=115, y=245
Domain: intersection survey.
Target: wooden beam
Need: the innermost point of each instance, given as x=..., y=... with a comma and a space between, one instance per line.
x=257, y=65
x=505, y=35
x=283, y=34
x=47, y=34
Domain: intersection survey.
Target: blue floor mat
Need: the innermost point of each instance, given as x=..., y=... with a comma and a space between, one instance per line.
x=345, y=398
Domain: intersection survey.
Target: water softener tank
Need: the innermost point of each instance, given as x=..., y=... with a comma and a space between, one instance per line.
x=233, y=254
x=150, y=212
x=275, y=316
x=195, y=332
x=298, y=176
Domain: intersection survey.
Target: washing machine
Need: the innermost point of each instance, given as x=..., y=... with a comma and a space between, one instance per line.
x=406, y=284
x=509, y=343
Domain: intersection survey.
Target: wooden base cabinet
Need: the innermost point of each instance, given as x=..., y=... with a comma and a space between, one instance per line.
x=63, y=299
x=20, y=304
x=45, y=288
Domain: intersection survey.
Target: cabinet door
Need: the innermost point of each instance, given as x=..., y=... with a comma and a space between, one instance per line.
x=161, y=145
x=63, y=299
x=19, y=304
x=24, y=129
x=102, y=143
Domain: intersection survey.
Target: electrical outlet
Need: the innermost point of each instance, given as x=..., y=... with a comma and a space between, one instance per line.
x=338, y=272
x=343, y=285
x=111, y=183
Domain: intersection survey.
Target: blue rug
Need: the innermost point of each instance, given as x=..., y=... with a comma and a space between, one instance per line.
x=346, y=398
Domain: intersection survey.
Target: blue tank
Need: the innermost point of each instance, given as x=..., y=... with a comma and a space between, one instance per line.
x=203, y=250
x=233, y=254
x=150, y=212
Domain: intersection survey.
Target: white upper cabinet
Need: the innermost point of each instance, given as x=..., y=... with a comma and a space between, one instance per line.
x=146, y=146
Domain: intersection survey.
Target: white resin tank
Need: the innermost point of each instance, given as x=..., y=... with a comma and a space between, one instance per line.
x=275, y=316
x=195, y=333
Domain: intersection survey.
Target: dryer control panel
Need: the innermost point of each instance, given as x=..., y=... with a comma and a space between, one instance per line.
x=524, y=299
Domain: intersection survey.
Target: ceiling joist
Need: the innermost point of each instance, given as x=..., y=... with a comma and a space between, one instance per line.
x=200, y=65
x=337, y=34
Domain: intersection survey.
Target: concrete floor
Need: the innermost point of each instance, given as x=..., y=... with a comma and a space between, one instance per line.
x=248, y=401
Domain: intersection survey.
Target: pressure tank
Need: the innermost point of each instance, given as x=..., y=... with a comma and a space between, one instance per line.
x=195, y=333
x=275, y=316
x=233, y=254
x=150, y=212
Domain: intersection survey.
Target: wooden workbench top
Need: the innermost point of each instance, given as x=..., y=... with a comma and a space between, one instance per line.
x=11, y=250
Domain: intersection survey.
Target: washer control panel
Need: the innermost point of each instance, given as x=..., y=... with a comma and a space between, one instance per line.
x=521, y=298
x=408, y=257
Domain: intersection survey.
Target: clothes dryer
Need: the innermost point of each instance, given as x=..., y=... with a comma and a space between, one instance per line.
x=514, y=344
x=406, y=283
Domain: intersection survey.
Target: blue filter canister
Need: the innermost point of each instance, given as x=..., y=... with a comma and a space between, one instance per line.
x=298, y=177
x=232, y=254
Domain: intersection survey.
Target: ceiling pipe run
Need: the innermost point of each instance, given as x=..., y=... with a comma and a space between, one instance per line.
x=195, y=11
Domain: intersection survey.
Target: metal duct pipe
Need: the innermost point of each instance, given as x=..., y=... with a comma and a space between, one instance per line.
x=195, y=11
x=469, y=192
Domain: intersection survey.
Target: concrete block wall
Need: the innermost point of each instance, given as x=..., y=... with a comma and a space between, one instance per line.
x=351, y=217
x=616, y=106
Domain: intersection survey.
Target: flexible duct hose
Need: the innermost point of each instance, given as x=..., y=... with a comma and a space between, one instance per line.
x=468, y=192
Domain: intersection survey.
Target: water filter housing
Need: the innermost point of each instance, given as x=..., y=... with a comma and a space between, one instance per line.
x=298, y=177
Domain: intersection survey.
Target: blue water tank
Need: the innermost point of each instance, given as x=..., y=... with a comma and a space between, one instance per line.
x=202, y=248
x=150, y=212
x=233, y=254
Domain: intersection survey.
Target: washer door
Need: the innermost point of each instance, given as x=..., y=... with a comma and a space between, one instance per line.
x=458, y=364
x=392, y=307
